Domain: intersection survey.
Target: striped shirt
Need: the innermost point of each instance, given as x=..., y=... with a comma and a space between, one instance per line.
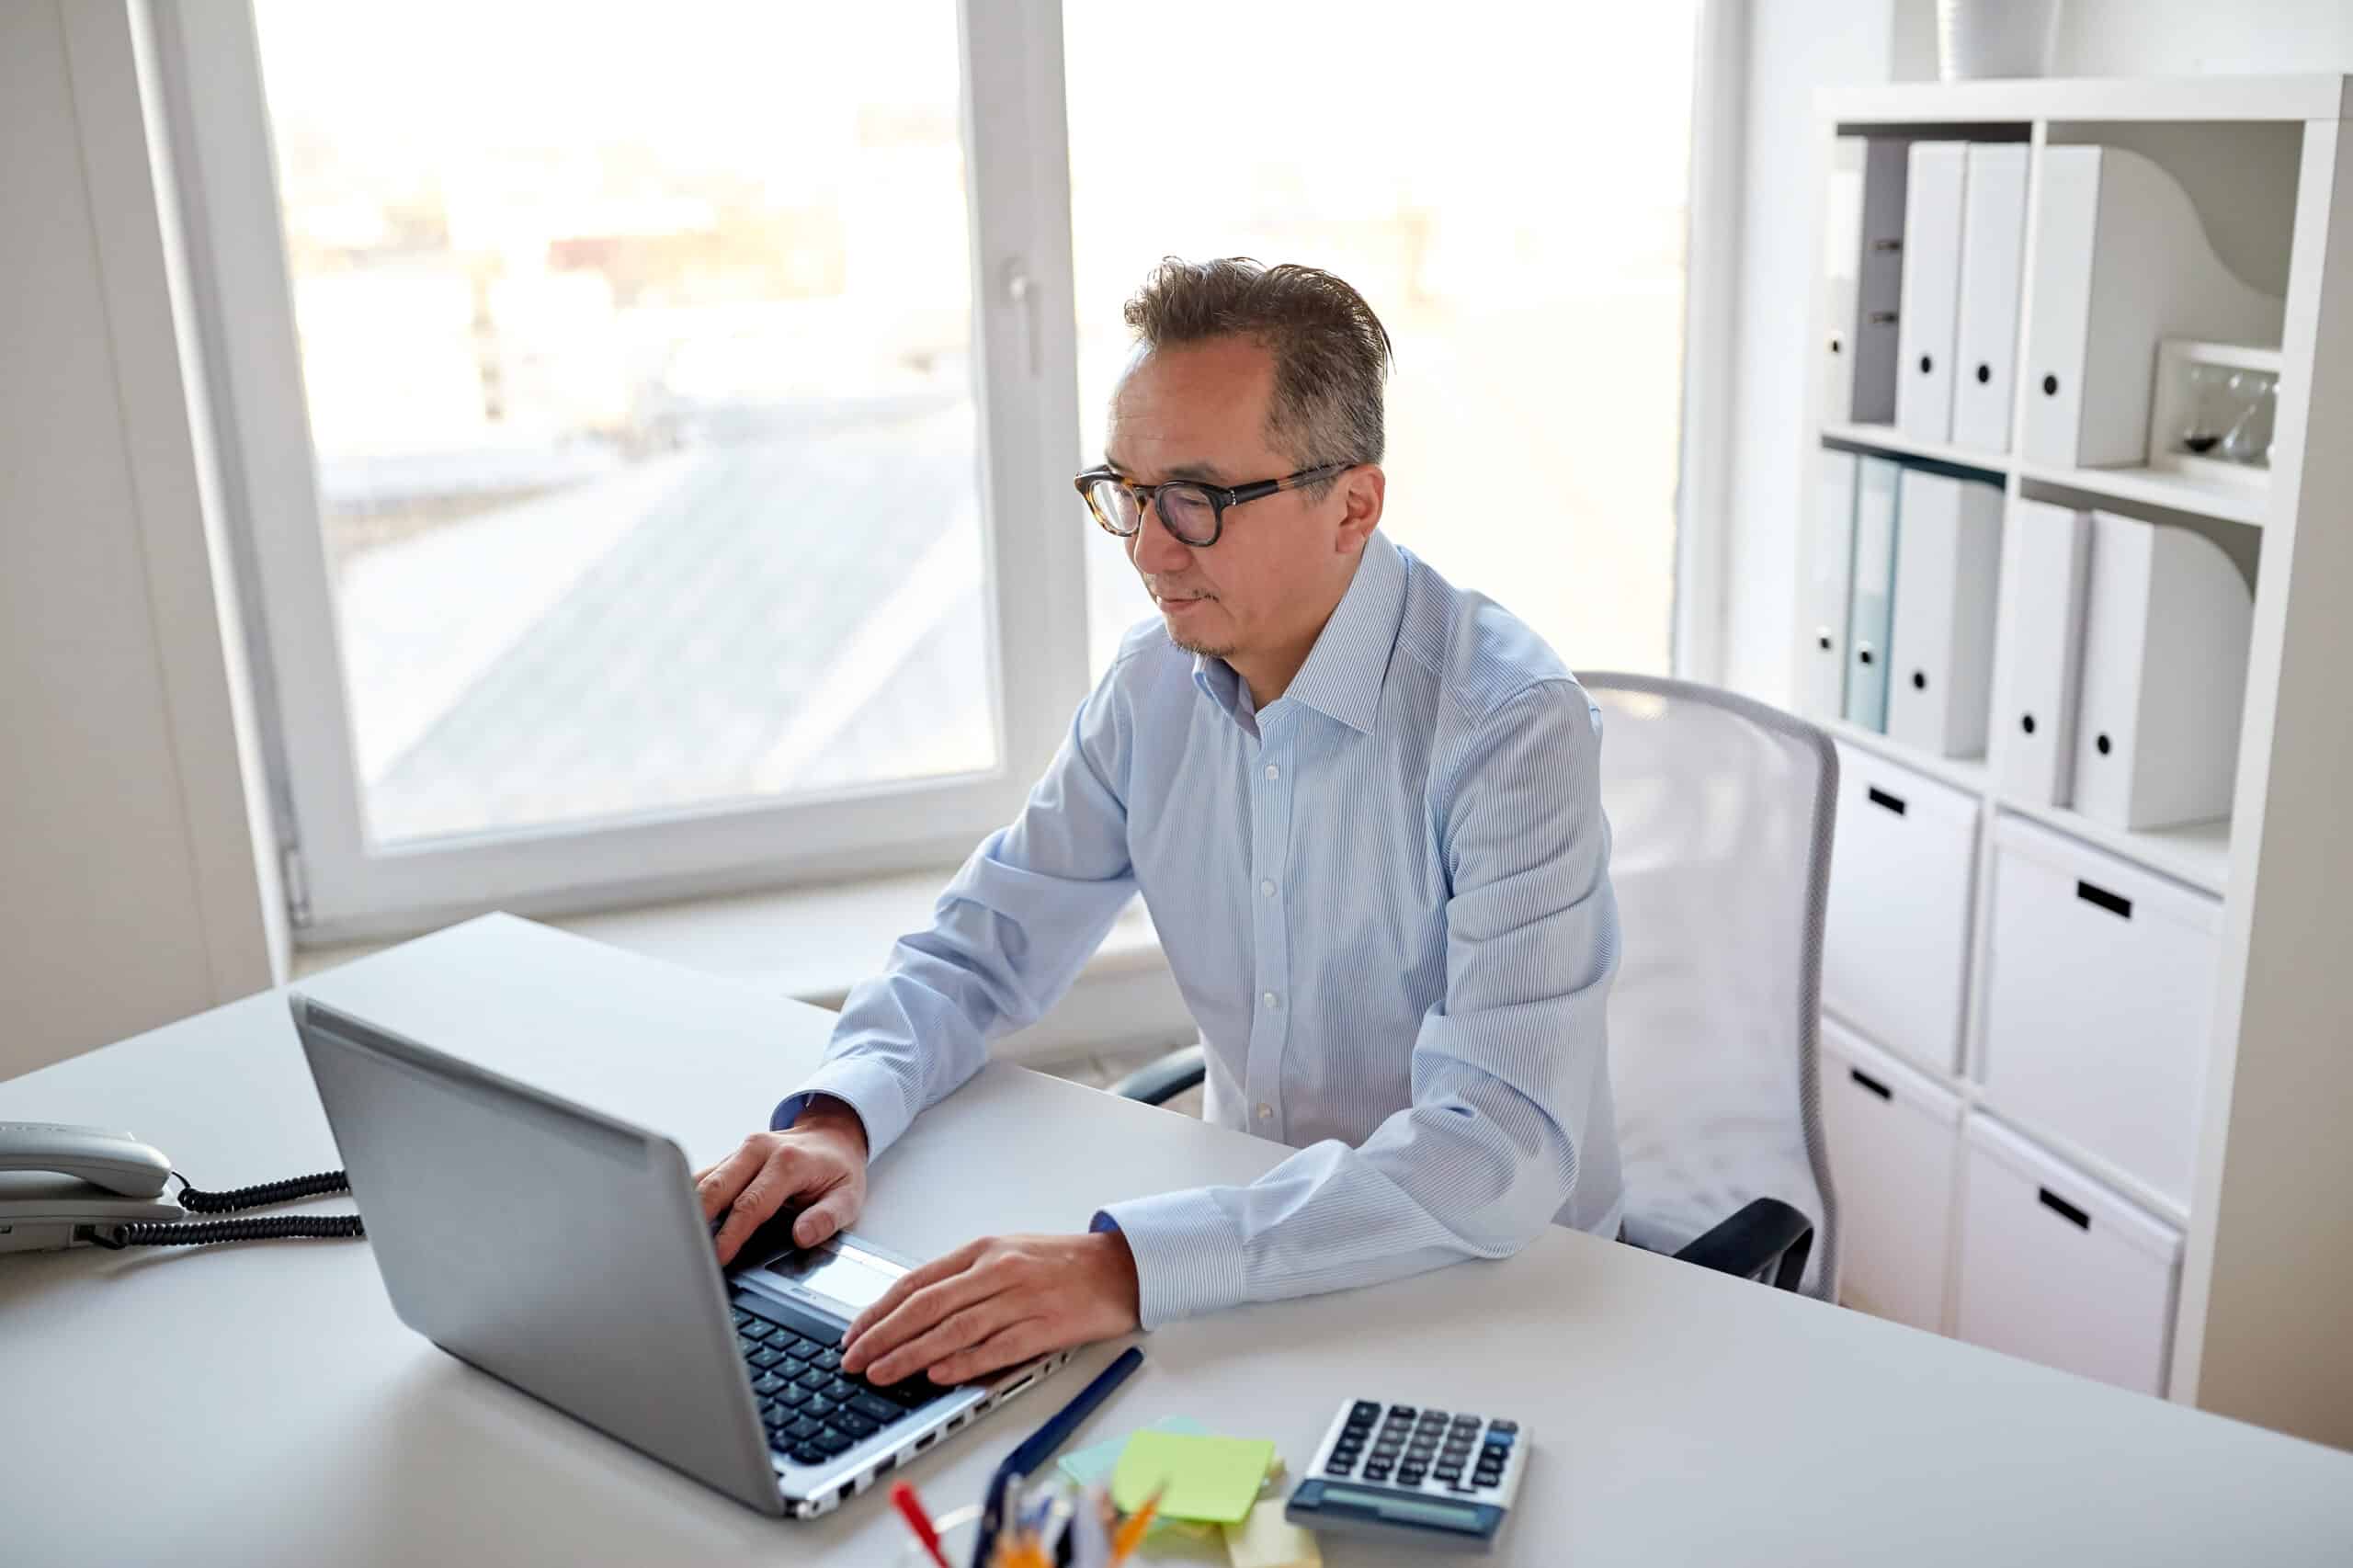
x=1386, y=902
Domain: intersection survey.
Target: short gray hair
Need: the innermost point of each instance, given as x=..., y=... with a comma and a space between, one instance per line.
x=1331, y=352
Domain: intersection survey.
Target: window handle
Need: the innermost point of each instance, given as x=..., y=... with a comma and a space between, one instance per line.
x=1022, y=293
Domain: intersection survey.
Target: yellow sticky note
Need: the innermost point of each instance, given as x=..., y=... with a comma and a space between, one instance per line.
x=1211, y=1478
x=1267, y=1540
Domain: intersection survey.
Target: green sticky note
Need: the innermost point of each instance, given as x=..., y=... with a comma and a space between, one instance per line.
x=1092, y=1465
x=1211, y=1478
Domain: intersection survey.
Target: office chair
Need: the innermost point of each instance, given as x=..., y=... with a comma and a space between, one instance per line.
x=1720, y=812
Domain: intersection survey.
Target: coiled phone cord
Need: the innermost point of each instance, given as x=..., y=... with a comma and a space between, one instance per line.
x=283, y=1228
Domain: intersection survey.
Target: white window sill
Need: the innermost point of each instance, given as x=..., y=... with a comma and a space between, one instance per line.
x=815, y=943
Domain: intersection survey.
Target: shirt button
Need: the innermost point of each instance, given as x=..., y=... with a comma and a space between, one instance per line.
x=1272, y=1000
x=1273, y=772
x=1267, y=889
x=1266, y=1111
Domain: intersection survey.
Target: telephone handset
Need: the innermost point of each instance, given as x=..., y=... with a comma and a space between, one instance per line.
x=64, y=1186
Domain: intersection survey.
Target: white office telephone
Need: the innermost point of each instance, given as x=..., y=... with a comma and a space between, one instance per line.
x=64, y=1186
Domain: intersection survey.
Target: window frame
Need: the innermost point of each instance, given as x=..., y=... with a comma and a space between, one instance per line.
x=1024, y=335
x=1714, y=255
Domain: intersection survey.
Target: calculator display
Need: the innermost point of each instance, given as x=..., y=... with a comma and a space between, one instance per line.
x=1425, y=1509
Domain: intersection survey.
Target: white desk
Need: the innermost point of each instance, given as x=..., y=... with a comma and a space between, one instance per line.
x=261, y=1404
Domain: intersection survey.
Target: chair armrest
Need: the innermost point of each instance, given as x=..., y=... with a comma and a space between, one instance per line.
x=1766, y=1232
x=1161, y=1081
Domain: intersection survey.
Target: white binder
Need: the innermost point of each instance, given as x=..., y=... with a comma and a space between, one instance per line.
x=1932, y=210
x=1993, y=251
x=1863, y=278
x=1940, y=664
x=2121, y=260
x=1873, y=590
x=2046, y=560
x=1822, y=690
x=2166, y=626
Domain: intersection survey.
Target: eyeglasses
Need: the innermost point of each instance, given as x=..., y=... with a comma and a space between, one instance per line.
x=1194, y=512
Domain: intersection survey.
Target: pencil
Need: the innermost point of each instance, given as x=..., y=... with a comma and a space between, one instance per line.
x=1131, y=1536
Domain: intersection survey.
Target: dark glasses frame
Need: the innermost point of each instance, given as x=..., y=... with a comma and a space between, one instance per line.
x=1219, y=496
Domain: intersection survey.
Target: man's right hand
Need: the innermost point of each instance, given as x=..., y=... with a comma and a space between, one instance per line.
x=818, y=1163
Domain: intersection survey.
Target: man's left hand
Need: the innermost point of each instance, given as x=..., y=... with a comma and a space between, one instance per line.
x=995, y=1303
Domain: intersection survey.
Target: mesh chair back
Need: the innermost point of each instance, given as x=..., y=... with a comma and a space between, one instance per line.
x=1720, y=811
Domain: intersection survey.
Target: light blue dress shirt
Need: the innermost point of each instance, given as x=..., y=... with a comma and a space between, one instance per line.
x=1386, y=902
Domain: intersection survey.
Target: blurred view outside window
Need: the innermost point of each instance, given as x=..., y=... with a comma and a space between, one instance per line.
x=1508, y=192
x=636, y=348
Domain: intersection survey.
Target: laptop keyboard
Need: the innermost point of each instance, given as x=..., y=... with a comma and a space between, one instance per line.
x=812, y=1410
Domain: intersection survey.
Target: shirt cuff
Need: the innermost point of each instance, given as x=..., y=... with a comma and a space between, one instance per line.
x=1188, y=1253
x=866, y=1087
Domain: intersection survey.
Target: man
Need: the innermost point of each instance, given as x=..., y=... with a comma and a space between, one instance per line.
x=1362, y=807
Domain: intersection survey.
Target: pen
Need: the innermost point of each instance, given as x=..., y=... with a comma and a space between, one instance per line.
x=910, y=1506
x=1040, y=1447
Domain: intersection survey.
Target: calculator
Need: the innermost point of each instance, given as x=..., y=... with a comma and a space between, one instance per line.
x=1412, y=1472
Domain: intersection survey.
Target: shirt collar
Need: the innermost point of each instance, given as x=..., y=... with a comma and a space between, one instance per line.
x=1350, y=663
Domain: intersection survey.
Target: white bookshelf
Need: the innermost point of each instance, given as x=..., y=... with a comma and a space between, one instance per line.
x=2267, y=1276
x=1888, y=440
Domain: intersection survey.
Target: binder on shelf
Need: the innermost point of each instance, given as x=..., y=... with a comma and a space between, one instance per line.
x=1823, y=691
x=1932, y=210
x=1873, y=591
x=2046, y=561
x=1940, y=663
x=1993, y=254
x=2167, y=619
x=1863, y=275
x=2121, y=260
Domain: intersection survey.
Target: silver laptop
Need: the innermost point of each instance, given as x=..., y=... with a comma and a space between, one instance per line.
x=565, y=1253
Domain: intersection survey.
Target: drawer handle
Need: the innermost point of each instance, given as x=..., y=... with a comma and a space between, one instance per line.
x=1882, y=798
x=1873, y=1085
x=2066, y=1211
x=2122, y=908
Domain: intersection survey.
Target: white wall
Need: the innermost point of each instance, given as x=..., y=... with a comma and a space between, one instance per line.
x=1797, y=46
x=2194, y=38
x=133, y=885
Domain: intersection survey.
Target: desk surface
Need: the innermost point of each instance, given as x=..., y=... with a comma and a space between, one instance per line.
x=262, y=1404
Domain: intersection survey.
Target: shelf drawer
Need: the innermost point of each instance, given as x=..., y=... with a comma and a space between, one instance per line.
x=2058, y=1269
x=1897, y=948
x=1894, y=1136
x=2100, y=1002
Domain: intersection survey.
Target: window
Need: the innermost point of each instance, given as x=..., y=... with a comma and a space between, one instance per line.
x=1510, y=198
x=646, y=430
x=643, y=419
x=652, y=433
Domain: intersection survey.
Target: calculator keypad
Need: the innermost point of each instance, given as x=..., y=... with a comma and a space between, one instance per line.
x=1416, y=1448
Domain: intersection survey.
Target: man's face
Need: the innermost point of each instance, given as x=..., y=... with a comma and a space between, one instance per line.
x=1199, y=412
